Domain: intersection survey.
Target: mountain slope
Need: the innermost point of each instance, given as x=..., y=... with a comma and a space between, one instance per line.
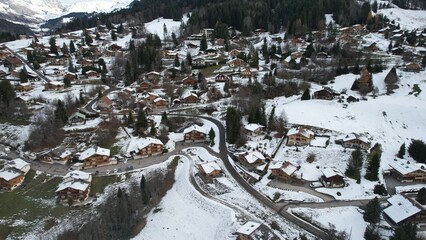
x=29, y=11
x=97, y=6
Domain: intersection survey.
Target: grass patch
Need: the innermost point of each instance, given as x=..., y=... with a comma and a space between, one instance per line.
x=33, y=202
x=208, y=71
x=100, y=183
x=115, y=150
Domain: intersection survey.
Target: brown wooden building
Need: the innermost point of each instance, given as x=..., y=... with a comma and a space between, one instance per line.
x=195, y=133
x=95, y=156
x=299, y=137
x=283, y=171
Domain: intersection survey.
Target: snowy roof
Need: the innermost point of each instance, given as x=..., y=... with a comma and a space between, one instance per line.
x=253, y=127
x=287, y=167
x=9, y=174
x=195, y=128
x=330, y=172
x=18, y=163
x=65, y=153
x=406, y=167
x=141, y=143
x=351, y=136
x=159, y=99
x=254, y=156
x=189, y=94
x=302, y=131
x=210, y=167
x=56, y=83
x=77, y=185
x=94, y=150
x=401, y=208
x=248, y=228
x=78, y=175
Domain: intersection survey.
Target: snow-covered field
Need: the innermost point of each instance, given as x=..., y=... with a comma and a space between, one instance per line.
x=408, y=19
x=348, y=219
x=185, y=214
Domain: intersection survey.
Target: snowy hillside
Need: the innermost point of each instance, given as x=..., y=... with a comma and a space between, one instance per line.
x=96, y=6
x=30, y=10
x=408, y=19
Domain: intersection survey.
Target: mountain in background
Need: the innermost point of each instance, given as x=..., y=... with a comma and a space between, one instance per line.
x=30, y=11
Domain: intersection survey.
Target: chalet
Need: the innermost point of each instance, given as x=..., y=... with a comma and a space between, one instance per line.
x=24, y=99
x=171, y=55
x=353, y=140
x=12, y=62
x=144, y=86
x=248, y=73
x=403, y=209
x=151, y=97
x=195, y=133
x=251, y=158
x=153, y=76
x=104, y=103
x=259, y=31
x=32, y=76
x=70, y=76
x=209, y=169
x=77, y=118
x=23, y=87
x=254, y=231
x=220, y=42
x=75, y=187
x=207, y=32
x=54, y=86
x=412, y=67
x=406, y=171
x=13, y=174
x=58, y=155
x=236, y=62
x=160, y=102
x=332, y=178
x=86, y=62
x=146, y=147
x=114, y=47
x=254, y=129
x=95, y=156
x=222, y=78
x=191, y=45
x=92, y=74
x=299, y=137
x=283, y=171
x=189, y=81
x=325, y=94
x=190, y=98
x=199, y=62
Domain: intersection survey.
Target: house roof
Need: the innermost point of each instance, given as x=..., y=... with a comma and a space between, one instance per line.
x=406, y=167
x=248, y=228
x=9, y=174
x=195, y=128
x=65, y=153
x=304, y=132
x=351, y=136
x=252, y=157
x=401, y=208
x=77, y=185
x=18, y=163
x=56, y=83
x=331, y=172
x=159, y=99
x=78, y=175
x=141, y=143
x=253, y=127
x=210, y=167
x=105, y=100
x=94, y=151
x=188, y=94
x=287, y=167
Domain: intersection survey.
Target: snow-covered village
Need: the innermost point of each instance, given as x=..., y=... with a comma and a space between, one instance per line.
x=192, y=126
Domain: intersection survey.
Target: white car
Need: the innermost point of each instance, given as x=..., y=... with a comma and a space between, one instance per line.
x=107, y=172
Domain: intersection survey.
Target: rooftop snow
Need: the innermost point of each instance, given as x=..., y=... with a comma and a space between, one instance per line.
x=401, y=208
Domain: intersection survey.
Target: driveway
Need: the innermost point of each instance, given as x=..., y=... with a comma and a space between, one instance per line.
x=302, y=188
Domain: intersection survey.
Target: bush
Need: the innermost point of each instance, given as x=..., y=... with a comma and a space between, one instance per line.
x=310, y=158
x=380, y=189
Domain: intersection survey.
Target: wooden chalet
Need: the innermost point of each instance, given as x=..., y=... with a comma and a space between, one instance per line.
x=254, y=129
x=251, y=158
x=413, y=67
x=190, y=98
x=104, y=103
x=222, y=78
x=75, y=187
x=195, y=133
x=58, y=155
x=92, y=74
x=332, y=178
x=12, y=62
x=325, y=94
x=406, y=171
x=209, y=169
x=153, y=76
x=146, y=147
x=160, y=102
x=248, y=73
x=54, y=86
x=299, y=137
x=353, y=140
x=23, y=87
x=77, y=118
x=189, y=81
x=13, y=174
x=236, y=62
x=284, y=171
x=144, y=86
x=254, y=231
x=95, y=156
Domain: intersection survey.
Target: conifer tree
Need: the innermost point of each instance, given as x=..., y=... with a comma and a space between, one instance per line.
x=306, y=94
x=401, y=151
x=371, y=233
x=23, y=75
x=421, y=196
x=212, y=135
x=72, y=47
x=164, y=119
x=53, y=48
x=141, y=122
x=203, y=43
x=372, y=211
x=130, y=118
x=405, y=232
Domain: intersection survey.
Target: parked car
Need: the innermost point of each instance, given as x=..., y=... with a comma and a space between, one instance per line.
x=315, y=184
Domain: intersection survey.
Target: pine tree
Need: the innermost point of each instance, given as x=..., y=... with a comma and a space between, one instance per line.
x=60, y=114
x=271, y=119
x=212, y=135
x=405, y=232
x=371, y=233
x=64, y=49
x=373, y=168
x=53, y=48
x=401, y=151
x=119, y=193
x=417, y=150
x=144, y=191
x=233, y=125
x=23, y=75
x=421, y=196
x=164, y=119
x=7, y=93
x=67, y=81
x=372, y=211
x=203, y=43
x=113, y=36
x=141, y=122
x=130, y=118
x=353, y=169
x=306, y=95
x=72, y=47
x=30, y=56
